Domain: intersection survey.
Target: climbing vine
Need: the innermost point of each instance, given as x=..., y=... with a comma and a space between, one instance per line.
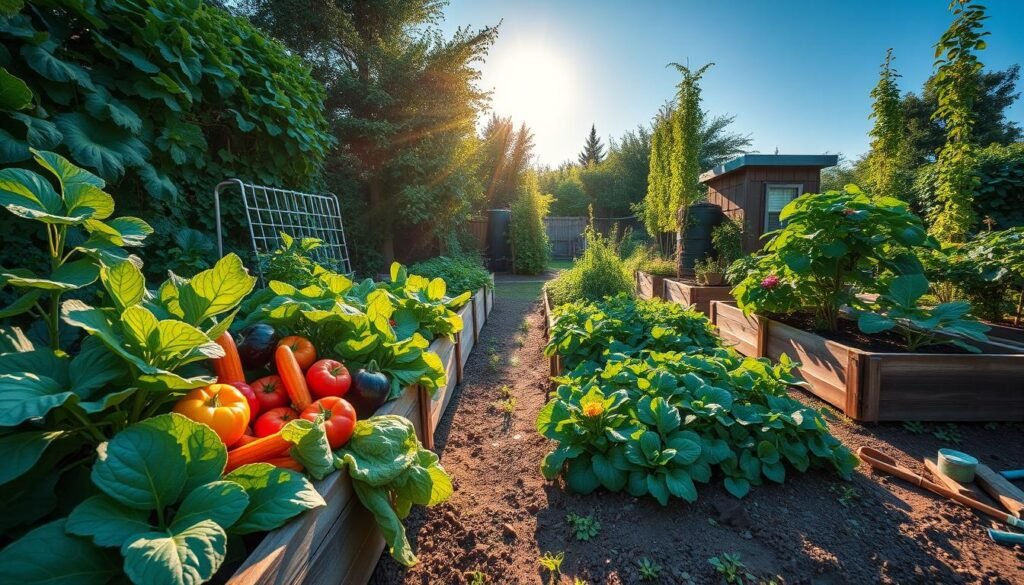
x=888, y=172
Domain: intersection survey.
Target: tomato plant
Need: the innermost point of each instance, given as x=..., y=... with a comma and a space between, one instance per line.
x=339, y=418
x=273, y=420
x=270, y=393
x=303, y=349
x=328, y=378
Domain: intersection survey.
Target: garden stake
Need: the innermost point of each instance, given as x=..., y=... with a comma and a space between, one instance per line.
x=882, y=462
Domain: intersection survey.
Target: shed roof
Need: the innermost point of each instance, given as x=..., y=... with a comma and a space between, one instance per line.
x=771, y=160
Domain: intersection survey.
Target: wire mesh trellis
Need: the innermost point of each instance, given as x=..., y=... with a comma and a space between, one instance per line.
x=270, y=211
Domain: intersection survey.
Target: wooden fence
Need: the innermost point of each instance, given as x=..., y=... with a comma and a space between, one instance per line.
x=565, y=234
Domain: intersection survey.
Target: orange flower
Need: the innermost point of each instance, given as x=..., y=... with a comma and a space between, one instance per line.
x=592, y=409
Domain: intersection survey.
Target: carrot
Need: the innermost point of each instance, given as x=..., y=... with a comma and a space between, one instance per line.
x=260, y=450
x=229, y=367
x=286, y=462
x=292, y=378
x=243, y=440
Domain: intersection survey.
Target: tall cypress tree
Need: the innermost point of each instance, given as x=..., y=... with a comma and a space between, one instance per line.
x=888, y=161
x=685, y=187
x=958, y=68
x=593, y=150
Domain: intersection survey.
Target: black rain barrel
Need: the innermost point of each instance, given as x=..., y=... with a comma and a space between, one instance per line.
x=498, y=251
x=702, y=218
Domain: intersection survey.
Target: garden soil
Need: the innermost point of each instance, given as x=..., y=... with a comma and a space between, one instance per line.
x=814, y=529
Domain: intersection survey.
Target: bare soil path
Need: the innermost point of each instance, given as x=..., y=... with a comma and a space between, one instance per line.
x=813, y=529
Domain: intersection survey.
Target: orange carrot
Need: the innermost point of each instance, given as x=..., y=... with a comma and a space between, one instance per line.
x=243, y=440
x=286, y=462
x=260, y=450
x=229, y=367
x=292, y=378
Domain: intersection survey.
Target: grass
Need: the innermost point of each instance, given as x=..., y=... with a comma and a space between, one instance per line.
x=518, y=291
x=554, y=265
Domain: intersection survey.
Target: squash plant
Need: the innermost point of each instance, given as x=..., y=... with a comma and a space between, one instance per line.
x=833, y=246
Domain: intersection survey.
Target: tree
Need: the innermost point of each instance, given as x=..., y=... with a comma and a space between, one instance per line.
x=656, y=214
x=996, y=92
x=888, y=165
x=527, y=233
x=507, y=154
x=958, y=66
x=593, y=150
x=403, y=101
x=718, y=146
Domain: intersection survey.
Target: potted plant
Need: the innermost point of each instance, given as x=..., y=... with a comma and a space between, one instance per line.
x=839, y=288
x=710, y=271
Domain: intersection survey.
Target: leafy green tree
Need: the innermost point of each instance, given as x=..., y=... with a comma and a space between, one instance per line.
x=717, y=145
x=684, y=165
x=888, y=172
x=958, y=66
x=403, y=100
x=527, y=233
x=566, y=186
x=658, y=218
x=593, y=150
x=506, y=155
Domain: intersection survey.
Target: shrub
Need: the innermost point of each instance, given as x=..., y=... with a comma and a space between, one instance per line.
x=650, y=261
x=163, y=101
x=598, y=273
x=463, y=273
x=727, y=239
x=527, y=232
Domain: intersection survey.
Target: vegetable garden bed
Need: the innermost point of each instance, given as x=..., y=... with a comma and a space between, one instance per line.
x=341, y=542
x=649, y=286
x=690, y=293
x=878, y=386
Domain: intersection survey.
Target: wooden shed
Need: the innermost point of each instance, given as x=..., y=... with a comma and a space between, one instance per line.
x=753, y=188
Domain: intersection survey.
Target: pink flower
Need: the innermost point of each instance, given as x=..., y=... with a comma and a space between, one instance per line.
x=771, y=281
x=848, y=212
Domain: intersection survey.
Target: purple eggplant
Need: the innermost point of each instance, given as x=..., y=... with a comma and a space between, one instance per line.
x=369, y=391
x=256, y=345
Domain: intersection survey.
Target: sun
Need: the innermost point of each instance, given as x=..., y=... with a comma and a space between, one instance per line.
x=532, y=82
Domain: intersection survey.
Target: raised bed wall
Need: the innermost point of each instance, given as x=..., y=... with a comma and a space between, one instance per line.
x=688, y=293
x=340, y=542
x=874, y=386
x=649, y=286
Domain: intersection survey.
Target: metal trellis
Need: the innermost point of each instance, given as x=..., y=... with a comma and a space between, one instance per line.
x=270, y=211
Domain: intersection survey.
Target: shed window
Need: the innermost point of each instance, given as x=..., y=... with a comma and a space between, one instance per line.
x=777, y=197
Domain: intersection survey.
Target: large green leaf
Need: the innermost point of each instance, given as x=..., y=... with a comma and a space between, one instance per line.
x=28, y=195
x=125, y=283
x=107, y=521
x=86, y=201
x=311, y=447
x=141, y=467
x=275, y=496
x=13, y=149
x=28, y=395
x=42, y=60
x=67, y=173
x=14, y=94
x=906, y=289
x=20, y=451
x=220, y=501
x=217, y=290
x=187, y=557
x=68, y=277
x=49, y=556
x=39, y=133
x=102, y=146
x=204, y=453
x=103, y=106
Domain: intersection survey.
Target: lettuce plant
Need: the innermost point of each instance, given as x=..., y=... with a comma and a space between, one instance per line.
x=832, y=247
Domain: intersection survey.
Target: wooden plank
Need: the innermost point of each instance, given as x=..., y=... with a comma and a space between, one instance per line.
x=969, y=490
x=736, y=328
x=853, y=384
x=479, y=313
x=467, y=338
x=1008, y=495
x=822, y=362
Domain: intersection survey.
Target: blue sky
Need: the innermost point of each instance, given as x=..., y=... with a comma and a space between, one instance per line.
x=795, y=73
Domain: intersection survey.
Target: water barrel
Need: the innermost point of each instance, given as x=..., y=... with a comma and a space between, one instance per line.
x=702, y=218
x=499, y=252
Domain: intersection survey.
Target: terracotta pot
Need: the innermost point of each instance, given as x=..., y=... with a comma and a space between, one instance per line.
x=714, y=278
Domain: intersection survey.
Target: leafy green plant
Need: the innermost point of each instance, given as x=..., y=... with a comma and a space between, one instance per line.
x=160, y=486
x=477, y=578
x=527, y=234
x=462, y=273
x=583, y=527
x=553, y=564
x=292, y=261
x=899, y=309
x=833, y=246
x=914, y=427
x=598, y=273
x=391, y=471
x=649, y=570
x=949, y=433
x=846, y=495
x=585, y=332
x=727, y=239
x=506, y=405
x=731, y=570
x=703, y=269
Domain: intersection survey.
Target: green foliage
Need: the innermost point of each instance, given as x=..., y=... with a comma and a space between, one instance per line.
x=999, y=173
x=463, y=273
x=899, y=309
x=888, y=161
x=391, y=471
x=553, y=564
x=566, y=186
x=583, y=527
x=163, y=101
x=593, y=151
x=833, y=246
x=649, y=570
x=727, y=239
x=598, y=273
x=586, y=332
x=731, y=570
x=957, y=68
x=527, y=234
x=291, y=262
x=160, y=499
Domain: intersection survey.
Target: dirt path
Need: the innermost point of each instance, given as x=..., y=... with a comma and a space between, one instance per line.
x=813, y=529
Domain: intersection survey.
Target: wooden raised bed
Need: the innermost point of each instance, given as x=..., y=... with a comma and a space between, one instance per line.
x=649, y=286
x=555, y=361
x=1006, y=334
x=690, y=293
x=340, y=542
x=876, y=386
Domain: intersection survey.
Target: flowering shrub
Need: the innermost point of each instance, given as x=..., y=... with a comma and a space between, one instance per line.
x=833, y=246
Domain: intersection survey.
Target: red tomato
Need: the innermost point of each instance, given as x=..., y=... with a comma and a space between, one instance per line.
x=250, y=396
x=273, y=420
x=328, y=378
x=303, y=349
x=339, y=418
x=271, y=393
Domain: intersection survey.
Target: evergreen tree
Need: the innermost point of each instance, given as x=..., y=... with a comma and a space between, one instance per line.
x=593, y=150
x=888, y=172
x=685, y=187
x=958, y=68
